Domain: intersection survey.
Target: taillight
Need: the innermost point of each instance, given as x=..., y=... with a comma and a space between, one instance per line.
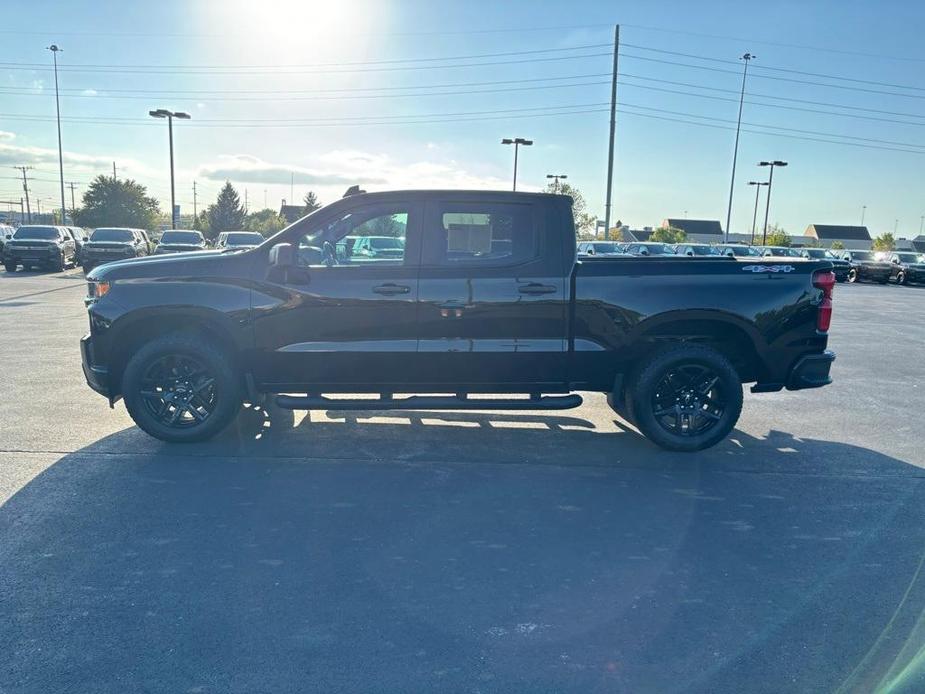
x=824, y=280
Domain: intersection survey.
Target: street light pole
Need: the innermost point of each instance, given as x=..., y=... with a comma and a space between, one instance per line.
x=54, y=52
x=767, y=207
x=170, y=115
x=735, y=151
x=556, y=178
x=863, y=210
x=517, y=142
x=757, y=185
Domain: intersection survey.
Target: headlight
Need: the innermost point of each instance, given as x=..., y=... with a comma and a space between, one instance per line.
x=97, y=290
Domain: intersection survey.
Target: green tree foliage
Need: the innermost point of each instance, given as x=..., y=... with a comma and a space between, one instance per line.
x=265, y=221
x=311, y=202
x=585, y=223
x=837, y=246
x=884, y=242
x=668, y=235
x=386, y=225
x=119, y=203
x=226, y=214
x=777, y=236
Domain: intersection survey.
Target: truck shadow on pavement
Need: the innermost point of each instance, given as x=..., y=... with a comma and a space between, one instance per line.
x=460, y=552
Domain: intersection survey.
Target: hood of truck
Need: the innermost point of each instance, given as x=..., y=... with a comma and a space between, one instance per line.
x=167, y=265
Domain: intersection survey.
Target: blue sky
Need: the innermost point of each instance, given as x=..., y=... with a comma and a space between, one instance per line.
x=366, y=94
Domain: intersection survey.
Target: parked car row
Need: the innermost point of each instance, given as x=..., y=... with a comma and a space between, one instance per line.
x=902, y=267
x=57, y=247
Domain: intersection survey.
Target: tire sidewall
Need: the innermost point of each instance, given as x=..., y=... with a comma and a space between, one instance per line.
x=642, y=390
x=227, y=387
x=852, y=275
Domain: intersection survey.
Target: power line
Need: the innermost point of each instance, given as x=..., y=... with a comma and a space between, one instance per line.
x=235, y=73
x=273, y=66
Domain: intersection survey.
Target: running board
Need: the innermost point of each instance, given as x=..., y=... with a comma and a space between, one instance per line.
x=427, y=402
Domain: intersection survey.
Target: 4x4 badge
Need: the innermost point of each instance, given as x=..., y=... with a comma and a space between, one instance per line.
x=768, y=268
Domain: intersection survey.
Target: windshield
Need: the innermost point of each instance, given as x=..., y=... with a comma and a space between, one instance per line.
x=815, y=253
x=862, y=255
x=907, y=257
x=705, y=250
x=36, y=233
x=186, y=237
x=244, y=238
x=123, y=235
x=656, y=249
x=605, y=248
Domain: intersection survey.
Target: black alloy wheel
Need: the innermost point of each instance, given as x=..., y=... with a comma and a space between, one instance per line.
x=688, y=401
x=178, y=391
x=901, y=277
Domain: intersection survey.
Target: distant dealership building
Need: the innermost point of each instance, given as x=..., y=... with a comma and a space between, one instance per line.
x=853, y=237
x=702, y=230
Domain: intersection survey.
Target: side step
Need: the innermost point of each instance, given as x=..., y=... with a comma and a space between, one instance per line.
x=428, y=402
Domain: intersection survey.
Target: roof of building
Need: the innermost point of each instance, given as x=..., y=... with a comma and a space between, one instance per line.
x=292, y=213
x=696, y=226
x=837, y=231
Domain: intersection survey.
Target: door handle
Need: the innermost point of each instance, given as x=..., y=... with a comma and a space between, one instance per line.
x=535, y=288
x=391, y=289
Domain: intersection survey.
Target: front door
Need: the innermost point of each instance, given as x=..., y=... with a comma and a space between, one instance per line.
x=345, y=317
x=492, y=297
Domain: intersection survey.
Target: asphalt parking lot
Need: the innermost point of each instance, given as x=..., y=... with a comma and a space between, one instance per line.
x=463, y=552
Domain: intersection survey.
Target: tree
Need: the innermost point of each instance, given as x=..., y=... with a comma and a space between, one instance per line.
x=884, y=242
x=117, y=202
x=226, y=214
x=584, y=223
x=265, y=221
x=668, y=235
x=837, y=246
x=311, y=202
x=777, y=236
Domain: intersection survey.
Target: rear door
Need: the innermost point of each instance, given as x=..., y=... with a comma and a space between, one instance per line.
x=338, y=319
x=492, y=295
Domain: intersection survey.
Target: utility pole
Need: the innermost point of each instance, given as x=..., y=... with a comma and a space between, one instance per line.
x=863, y=210
x=757, y=185
x=735, y=151
x=195, y=216
x=245, y=201
x=25, y=187
x=114, y=171
x=613, y=127
x=72, y=185
x=921, y=224
x=54, y=52
x=895, y=226
x=767, y=207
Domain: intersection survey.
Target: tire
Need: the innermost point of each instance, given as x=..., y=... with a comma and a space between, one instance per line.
x=852, y=275
x=685, y=398
x=57, y=265
x=10, y=265
x=901, y=278
x=185, y=379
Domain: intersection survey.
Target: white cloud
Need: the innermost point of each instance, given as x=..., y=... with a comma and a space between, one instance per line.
x=246, y=168
x=4, y=135
x=74, y=162
x=89, y=92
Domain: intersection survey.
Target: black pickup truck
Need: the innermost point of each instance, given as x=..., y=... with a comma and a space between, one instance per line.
x=485, y=297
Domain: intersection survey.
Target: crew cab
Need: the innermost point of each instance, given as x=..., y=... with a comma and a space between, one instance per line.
x=486, y=297
x=112, y=243
x=864, y=265
x=38, y=245
x=235, y=240
x=180, y=241
x=907, y=267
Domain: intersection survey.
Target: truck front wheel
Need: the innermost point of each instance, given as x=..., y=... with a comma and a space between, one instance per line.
x=181, y=388
x=685, y=398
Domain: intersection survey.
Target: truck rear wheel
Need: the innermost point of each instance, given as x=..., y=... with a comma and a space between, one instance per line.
x=180, y=388
x=685, y=398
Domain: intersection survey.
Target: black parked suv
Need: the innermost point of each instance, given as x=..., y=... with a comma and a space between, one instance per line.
x=36, y=245
x=865, y=266
x=180, y=241
x=107, y=244
x=485, y=294
x=839, y=267
x=907, y=267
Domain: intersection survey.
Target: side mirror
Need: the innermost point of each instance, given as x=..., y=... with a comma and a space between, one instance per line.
x=282, y=255
x=895, y=261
